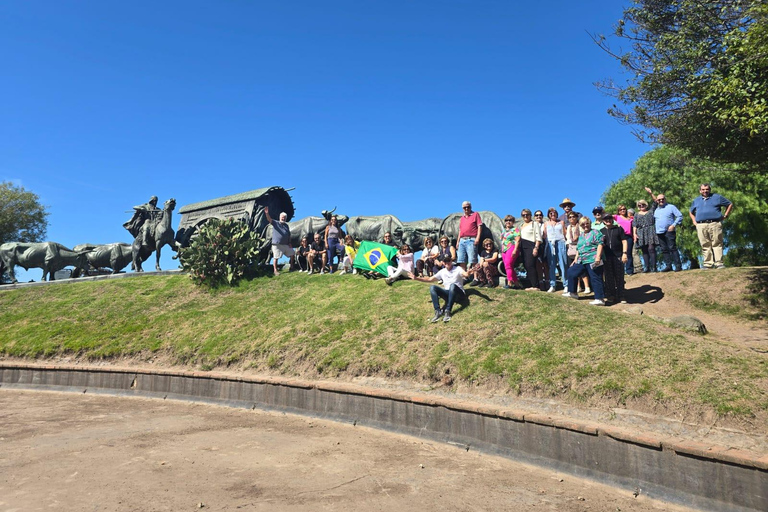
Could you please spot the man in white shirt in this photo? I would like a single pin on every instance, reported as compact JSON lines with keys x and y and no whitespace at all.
{"x":452,"y":277}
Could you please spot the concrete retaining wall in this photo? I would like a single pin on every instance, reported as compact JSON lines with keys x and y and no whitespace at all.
{"x":685,"y":472}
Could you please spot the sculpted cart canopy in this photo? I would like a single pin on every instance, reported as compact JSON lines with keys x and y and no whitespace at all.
{"x":246,"y":206}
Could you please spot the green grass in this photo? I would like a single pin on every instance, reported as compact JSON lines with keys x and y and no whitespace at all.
{"x":720,"y":296}
{"x":535,"y":344}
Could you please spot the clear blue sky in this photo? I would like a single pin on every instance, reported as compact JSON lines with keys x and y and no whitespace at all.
{"x":374,"y":107}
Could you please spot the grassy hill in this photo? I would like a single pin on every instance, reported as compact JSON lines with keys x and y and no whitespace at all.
{"x":532,"y":344}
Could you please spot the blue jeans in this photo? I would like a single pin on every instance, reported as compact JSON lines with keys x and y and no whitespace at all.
{"x":449,"y":296}
{"x":595,"y":278}
{"x":629,"y":266}
{"x":467,"y":252}
{"x":668,"y":244}
{"x":556,"y":253}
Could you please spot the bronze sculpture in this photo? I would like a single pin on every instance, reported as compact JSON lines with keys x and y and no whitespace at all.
{"x":114,"y":256}
{"x":153,"y":235}
{"x":49,"y":256}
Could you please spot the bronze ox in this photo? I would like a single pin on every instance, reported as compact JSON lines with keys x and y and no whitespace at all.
{"x":49,"y":256}
{"x":115,"y":256}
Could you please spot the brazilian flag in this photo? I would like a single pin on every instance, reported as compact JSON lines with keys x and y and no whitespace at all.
{"x":374,"y":256}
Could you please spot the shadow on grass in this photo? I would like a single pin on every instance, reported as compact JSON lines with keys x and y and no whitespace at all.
{"x":645,"y":294}
{"x":464,"y":301}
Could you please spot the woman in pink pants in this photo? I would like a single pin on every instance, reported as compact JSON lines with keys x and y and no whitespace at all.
{"x":510,"y":248}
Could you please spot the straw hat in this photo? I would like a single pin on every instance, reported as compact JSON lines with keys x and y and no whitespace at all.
{"x":567,"y":202}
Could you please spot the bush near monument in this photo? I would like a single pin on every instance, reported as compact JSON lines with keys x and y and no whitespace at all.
{"x":224,"y":251}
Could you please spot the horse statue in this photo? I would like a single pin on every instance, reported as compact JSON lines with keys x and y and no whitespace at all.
{"x":153,"y":236}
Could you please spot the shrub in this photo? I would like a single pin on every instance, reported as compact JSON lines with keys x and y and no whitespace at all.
{"x":224,"y":251}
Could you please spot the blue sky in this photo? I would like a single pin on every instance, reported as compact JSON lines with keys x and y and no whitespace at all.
{"x":373,"y":107}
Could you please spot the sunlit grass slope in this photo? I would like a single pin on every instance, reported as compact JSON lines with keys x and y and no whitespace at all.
{"x":328,"y":326}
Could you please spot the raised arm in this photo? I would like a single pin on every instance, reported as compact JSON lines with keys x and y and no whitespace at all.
{"x":647,"y":189}
{"x":266,"y":212}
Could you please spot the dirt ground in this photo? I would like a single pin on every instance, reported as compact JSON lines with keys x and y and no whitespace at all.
{"x":64,"y":451}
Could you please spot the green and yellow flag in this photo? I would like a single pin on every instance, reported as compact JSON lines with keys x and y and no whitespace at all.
{"x":374,"y":256}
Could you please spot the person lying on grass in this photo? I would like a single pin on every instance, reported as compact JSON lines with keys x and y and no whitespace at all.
{"x":452,"y":290}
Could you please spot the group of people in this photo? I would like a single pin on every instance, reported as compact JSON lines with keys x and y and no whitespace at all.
{"x":590,"y":255}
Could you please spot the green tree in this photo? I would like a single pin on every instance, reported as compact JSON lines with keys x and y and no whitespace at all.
{"x":22,"y":217}
{"x":698,"y":76}
{"x":678,"y":175}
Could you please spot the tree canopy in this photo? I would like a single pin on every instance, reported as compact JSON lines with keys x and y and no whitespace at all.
{"x":678,"y":175}
{"x":698,"y":76}
{"x":22,"y":217}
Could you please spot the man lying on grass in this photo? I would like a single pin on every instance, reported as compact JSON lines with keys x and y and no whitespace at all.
{"x":453,"y":288}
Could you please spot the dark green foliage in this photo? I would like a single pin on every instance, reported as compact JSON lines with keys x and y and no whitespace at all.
{"x":698,"y":76}
{"x":223,"y":252}
{"x":22,"y":217}
{"x":678,"y":175}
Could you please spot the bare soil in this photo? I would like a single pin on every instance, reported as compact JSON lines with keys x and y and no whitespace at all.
{"x":63,"y":451}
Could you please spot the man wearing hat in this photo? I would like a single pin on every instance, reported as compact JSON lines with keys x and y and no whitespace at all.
{"x":567,"y":205}
{"x":598,"y":223}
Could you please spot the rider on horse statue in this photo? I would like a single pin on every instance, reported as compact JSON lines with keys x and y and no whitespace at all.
{"x":144,"y":219}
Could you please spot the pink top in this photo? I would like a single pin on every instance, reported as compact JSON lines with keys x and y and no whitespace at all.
{"x":469,"y":224}
{"x":626,"y":224}
{"x":405,"y":261}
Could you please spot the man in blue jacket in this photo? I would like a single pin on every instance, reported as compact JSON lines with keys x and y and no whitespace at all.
{"x":707,"y":215}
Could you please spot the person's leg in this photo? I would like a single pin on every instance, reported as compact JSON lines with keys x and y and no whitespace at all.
{"x":419,"y":267}
{"x":509,"y":264}
{"x":716,"y":230}
{"x":461,"y":254}
{"x":491,"y":271}
{"x":629,"y":266}
{"x":612,"y":269}
{"x":677,"y":265}
{"x":454,"y":294}
{"x":596,"y":278}
{"x":471,"y":252}
{"x":574,"y":273}
{"x":437,"y":292}
{"x":551,"y":263}
{"x":529,"y":260}
{"x":707,"y":256}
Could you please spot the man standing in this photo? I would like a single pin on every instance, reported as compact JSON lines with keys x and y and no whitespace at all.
{"x":453,"y":288}
{"x":667,"y":217}
{"x":706,"y":214}
{"x":598,"y":223}
{"x":281,"y":238}
{"x":470,"y":231}
{"x":567,"y":206}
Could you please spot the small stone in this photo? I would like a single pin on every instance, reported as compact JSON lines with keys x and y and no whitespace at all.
{"x":200,"y":505}
{"x":634,"y":310}
{"x":581,"y":498}
{"x":421,"y":466}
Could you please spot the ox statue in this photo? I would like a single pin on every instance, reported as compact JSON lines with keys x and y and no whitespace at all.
{"x":153,"y":237}
{"x":373,"y":228}
{"x":415,"y":232}
{"x":49,"y":256}
{"x":115,"y":256}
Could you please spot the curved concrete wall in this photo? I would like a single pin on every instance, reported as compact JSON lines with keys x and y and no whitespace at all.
{"x":689,"y":473}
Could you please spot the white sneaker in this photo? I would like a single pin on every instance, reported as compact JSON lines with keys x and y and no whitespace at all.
{"x":597,"y":302}
{"x":571,"y":295}
{"x":322,"y":271}
{"x":343,"y":271}
{"x":587,"y":290}
{"x":551,"y":289}
{"x":566,"y":293}
{"x":354,"y":271}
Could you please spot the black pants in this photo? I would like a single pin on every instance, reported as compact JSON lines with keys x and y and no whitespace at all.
{"x":668,"y":244}
{"x":529,"y":261}
{"x":614,"y":277}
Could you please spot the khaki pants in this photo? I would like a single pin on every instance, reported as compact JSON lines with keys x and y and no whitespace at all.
{"x":711,"y":240}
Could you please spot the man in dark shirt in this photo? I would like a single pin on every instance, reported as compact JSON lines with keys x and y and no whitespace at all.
{"x":707,"y":215}
{"x":615,"y":255}
{"x":317,"y":255}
